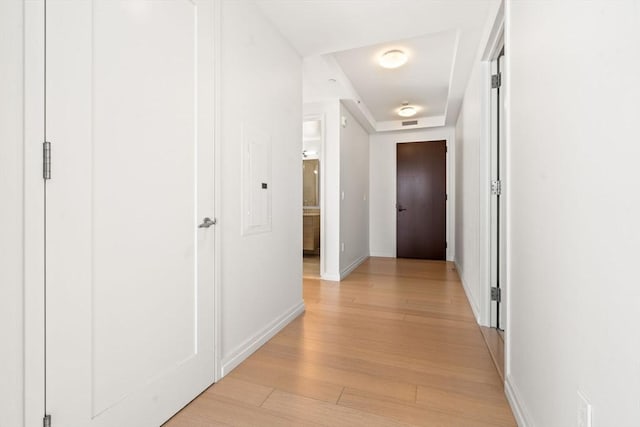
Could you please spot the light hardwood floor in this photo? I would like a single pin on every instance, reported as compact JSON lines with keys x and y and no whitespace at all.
{"x":495,"y":344}
{"x":393,"y":344}
{"x":311,"y":266}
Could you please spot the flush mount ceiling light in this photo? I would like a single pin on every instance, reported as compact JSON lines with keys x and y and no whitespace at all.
{"x":393,"y":59}
{"x":407,"y":110}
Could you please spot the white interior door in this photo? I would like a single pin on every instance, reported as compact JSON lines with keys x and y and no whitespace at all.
{"x":497,"y":201}
{"x":493,"y":201}
{"x":129,"y":304}
{"x":502,"y":208}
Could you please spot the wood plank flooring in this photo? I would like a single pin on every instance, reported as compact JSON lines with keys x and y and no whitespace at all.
{"x":495,"y":344}
{"x":393,"y":344}
{"x":311,"y":266}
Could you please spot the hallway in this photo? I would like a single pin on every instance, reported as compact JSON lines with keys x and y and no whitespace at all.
{"x":393,"y":344}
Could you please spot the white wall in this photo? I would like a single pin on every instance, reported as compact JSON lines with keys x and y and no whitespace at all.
{"x":382,"y":182}
{"x":11,"y":214}
{"x":574,"y":204}
{"x":472,"y":191}
{"x":345,"y":166}
{"x":261,"y":274}
{"x":354,"y":184}
{"x":329,"y":186}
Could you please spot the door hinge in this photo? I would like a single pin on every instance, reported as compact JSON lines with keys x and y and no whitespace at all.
{"x":46,"y":160}
{"x":496,"y":80}
{"x":46,"y":421}
{"x":496,"y":187}
{"x":496,"y":294}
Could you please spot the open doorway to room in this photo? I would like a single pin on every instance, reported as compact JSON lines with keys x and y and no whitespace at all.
{"x":312,"y":167}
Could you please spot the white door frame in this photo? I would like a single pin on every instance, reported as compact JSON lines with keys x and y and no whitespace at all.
{"x":497,"y":40}
{"x":321,"y":118}
{"x":34,"y":264}
{"x":492,"y":49}
{"x":34,"y":333}
{"x":497,"y":202}
{"x":217,"y":188}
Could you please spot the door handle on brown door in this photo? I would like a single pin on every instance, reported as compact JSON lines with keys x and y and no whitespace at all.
{"x":400,"y":208}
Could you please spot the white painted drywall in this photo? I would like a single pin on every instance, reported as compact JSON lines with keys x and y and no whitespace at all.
{"x":354,"y":193}
{"x":11,"y":214}
{"x":574,"y":204}
{"x":472,"y":142}
{"x":261,"y":86}
{"x":382,"y":182}
{"x":346,"y":168}
{"x":330,"y":186}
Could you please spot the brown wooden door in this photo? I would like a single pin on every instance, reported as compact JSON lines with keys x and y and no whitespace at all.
{"x":422,"y":200}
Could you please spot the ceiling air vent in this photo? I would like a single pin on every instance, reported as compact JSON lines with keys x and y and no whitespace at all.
{"x":409,"y":122}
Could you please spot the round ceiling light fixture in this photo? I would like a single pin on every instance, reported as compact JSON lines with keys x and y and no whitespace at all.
{"x":393,"y":59}
{"x":407,"y":111}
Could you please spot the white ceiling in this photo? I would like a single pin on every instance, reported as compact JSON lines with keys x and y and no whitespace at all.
{"x":423,"y":81}
{"x":341,"y":39}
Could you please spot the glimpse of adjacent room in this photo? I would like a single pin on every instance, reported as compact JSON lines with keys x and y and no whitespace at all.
{"x":311,"y":200}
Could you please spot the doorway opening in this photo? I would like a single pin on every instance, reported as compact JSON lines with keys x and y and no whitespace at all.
{"x":312,"y":190}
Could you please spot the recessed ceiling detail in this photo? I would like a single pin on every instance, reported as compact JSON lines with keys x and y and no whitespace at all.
{"x":425,"y":79}
{"x":345,"y":40}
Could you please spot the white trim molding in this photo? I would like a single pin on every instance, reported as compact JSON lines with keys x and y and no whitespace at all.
{"x":330,"y":277}
{"x":518,"y":408}
{"x":249,"y":346}
{"x":321,"y":157}
{"x":344,"y":273}
{"x":217,"y":192}
{"x":472,"y":302}
{"x":383,"y":254}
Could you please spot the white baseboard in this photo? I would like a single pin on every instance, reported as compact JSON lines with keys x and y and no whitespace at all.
{"x":517,"y":405}
{"x":331,"y":277}
{"x":344,"y":273}
{"x":383,"y":254}
{"x":249,"y":346}
{"x":467,"y":291}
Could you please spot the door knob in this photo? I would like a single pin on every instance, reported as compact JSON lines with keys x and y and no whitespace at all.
{"x":207,"y":222}
{"x":400,"y":208}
